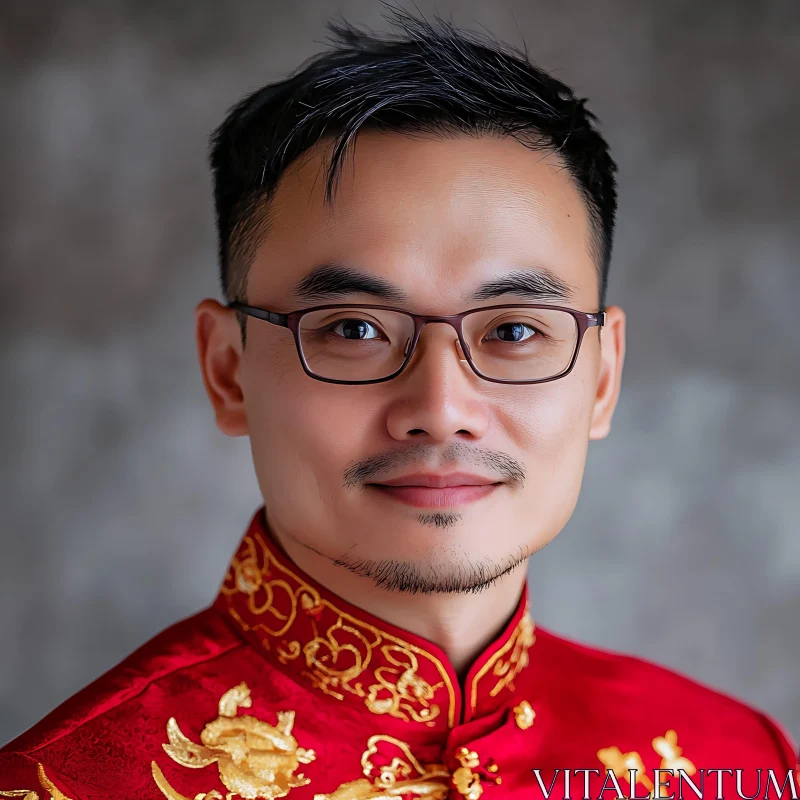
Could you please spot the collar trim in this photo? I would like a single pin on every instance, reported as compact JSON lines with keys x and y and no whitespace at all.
{"x":348,"y":654}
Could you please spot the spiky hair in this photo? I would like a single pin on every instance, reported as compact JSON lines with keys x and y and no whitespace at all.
{"x":432,"y":79}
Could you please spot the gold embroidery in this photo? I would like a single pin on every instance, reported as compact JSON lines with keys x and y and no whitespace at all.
{"x":506,"y":669}
{"x":400,"y":692}
{"x":466,"y":780}
{"x":322,"y":654}
{"x":666,"y":746}
{"x":621,"y":763}
{"x":404,"y":776}
{"x":29,"y":794}
{"x":524,"y":715}
{"x":405,"y":688}
{"x":255,"y":759}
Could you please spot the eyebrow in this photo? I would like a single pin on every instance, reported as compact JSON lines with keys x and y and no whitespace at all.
{"x":332,"y":281}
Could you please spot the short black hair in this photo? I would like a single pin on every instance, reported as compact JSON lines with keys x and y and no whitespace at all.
{"x":432,"y":79}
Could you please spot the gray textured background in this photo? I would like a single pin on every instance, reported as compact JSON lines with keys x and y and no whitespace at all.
{"x":121,"y":502}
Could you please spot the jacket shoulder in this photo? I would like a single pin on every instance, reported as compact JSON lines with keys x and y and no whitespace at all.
{"x":635,"y":694}
{"x":101,"y":726}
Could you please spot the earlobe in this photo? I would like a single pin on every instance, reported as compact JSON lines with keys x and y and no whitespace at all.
{"x":612,"y":357}
{"x":219,"y":350}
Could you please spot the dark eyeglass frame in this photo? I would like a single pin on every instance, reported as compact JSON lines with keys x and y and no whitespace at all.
{"x":583,"y":319}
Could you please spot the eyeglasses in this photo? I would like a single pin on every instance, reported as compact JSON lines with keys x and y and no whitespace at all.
{"x":352,"y":344}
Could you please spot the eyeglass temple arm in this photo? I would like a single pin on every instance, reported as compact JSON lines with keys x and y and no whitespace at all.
{"x":267,"y":316}
{"x":596,"y":320}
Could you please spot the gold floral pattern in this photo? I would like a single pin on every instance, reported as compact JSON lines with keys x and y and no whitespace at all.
{"x":666,"y":746}
{"x":397,"y":773}
{"x":467,"y":780}
{"x":255,"y":759}
{"x":402,"y":776}
{"x":399,"y":682}
{"x":336,"y":650}
{"x":524,"y":715}
{"x":345,"y":656}
{"x":30,"y":794}
{"x":323,"y":654}
{"x":508,"y":661}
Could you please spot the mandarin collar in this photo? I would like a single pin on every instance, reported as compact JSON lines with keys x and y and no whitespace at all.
{"x":346,"y":653}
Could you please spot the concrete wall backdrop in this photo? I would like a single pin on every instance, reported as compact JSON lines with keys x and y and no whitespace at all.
{"x":121,"y":502}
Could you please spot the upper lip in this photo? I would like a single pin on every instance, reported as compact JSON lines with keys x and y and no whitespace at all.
{"x":437,"y":481}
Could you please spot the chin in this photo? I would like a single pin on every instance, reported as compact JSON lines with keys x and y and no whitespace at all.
{"x":437,"y":537}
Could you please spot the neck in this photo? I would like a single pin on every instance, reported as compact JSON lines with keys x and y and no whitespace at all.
{"x":461,"y":624}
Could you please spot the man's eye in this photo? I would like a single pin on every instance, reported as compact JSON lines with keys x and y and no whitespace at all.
{"x":512,"y":332}
{"x":355,"y":329}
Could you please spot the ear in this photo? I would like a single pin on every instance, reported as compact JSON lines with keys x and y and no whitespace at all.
{"x":612,"y":357}
{"x":219,"y":348}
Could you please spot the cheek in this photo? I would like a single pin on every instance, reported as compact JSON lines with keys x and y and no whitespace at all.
{"x":550,"y":429}
{"x":300,"y":428}
{"x":549,"y":422}
{"x":327,"y":422}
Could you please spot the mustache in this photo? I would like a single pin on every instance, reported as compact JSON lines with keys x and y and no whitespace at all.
{"x":456,"y":455}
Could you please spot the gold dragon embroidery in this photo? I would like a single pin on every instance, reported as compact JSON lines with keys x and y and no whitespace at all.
{"x":255,"y":760}
{"x":30,"y":794}
{"x":666,"y":746}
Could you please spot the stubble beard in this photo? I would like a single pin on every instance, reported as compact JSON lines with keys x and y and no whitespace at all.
{"x":453,"y":574}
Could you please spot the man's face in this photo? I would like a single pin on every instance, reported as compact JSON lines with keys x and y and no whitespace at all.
{"x":436,"y":219}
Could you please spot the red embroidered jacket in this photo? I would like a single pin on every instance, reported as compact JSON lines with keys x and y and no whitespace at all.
{"x":282,"y":688}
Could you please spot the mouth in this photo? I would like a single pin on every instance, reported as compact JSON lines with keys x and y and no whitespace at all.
{"x":437,"y":491}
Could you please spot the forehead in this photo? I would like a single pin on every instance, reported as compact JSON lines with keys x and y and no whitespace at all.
{"x":435,"y":216}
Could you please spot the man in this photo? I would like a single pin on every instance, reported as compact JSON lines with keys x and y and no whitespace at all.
{"x":419,"y":349}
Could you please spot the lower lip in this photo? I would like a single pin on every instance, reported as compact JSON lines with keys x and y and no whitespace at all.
{"x":428,"y":497}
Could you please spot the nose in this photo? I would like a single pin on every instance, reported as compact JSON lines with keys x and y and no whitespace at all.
{"x":437,"y":397}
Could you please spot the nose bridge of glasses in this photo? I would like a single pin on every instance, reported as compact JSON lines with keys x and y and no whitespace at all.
{"x":442,"y":321}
